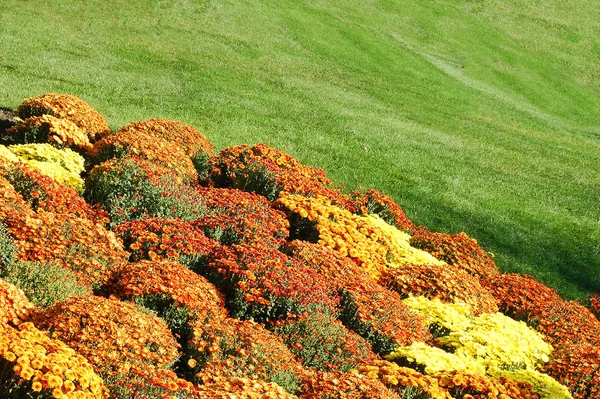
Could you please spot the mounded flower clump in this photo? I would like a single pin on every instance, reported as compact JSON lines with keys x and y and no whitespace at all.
{"x":141,"y":264}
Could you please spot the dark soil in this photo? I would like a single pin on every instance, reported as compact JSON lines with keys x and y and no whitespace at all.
{"x":7,"y":119}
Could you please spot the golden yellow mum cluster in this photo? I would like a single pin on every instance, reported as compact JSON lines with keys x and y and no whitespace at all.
{"x":49,"y":364}
{"x":391,"y":374}
{"x":434,"y":360}
{"x":491,"y":344}
{"x":450,"y":316}
{"x":7,"y":154}
{"x":64,"y":165}
{"x":368,"y":240}
{"x":496,"y":340}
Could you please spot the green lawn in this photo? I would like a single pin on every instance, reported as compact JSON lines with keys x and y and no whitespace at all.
{"x":479,"y":116}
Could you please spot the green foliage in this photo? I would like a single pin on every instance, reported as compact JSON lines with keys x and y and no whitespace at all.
{"x":285,"y":379}
{"x":127,"y":193}
{"x":322,"y":342}
{"x":177,"y":319}
{"x":44,"y":283}
{"x":380,"y":343}
{"x":414,"y":393}
{"x":201,"y":161}
{"x":7,"y":248}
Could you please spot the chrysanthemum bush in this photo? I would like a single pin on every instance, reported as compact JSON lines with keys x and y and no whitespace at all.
{"x":322,"y":342}
{"x":262,"y":283}
{"x":160,"y":238}
{"x":195,"y":144}
{"x":238,"y":217}
{"x":132,"y":188}
{"x":69,"y":107}
{"x":116,"y":337}
{"x":186,"y":301}
{"x":33,"y":365}
{"x":148,"y":147}
{"x":248,"y":274}
{"x":49,"y":129}
{"x":269,"y":172}
{"x":242,"y":348}
{"x":372,"y":311}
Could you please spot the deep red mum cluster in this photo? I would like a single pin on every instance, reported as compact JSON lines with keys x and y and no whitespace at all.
{"x":268,"y":171}
{"x":239,"y":217}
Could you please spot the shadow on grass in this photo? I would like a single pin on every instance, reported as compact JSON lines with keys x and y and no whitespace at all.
{"x":568,"y":261}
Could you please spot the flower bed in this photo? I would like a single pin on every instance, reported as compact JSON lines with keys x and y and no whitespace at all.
{"x":259,"y":279}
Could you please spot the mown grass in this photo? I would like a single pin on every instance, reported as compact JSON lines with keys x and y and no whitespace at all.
{"x":477,"y":116}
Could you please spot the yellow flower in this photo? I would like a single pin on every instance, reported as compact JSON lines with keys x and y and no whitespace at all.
{"x":36,"y":386}
{"x":55,"y":381}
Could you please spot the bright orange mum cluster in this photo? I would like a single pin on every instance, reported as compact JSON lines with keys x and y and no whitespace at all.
{"x":43,"y":364}
{"x":146,"y":146}
{"x":177,"y":282}
{"x":263,"y":283}
{"x":114,"y":336}
{"x":49,"y":129}
{"x":69,"y":107}
{"x":237,"y":217}
{"x":191,"y":140}
{"x":455,"y":249}
{"x":243,"y":348}
{"x":161,"y":238}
